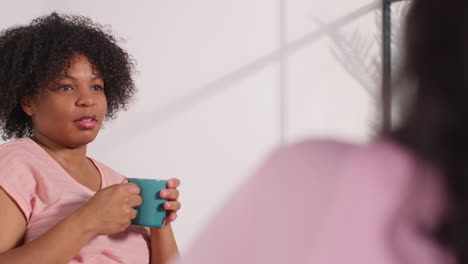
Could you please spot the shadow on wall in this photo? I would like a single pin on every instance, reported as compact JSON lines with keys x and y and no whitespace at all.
{"x":168,"y":111}
{"x":360,"y":54}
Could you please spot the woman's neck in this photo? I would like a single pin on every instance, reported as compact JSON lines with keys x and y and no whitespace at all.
{"x":69,"y":158}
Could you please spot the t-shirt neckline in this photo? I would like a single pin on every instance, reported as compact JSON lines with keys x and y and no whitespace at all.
{"x":68,"y":176}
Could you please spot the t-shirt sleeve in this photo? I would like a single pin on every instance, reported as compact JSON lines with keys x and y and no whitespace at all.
{"x":17,"y":178}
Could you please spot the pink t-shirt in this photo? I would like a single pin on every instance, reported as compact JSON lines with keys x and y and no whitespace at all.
{"x":46,"y":193}
{"x":326,"y":202}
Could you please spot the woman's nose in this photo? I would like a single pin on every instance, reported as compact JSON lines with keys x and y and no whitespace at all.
{"x":85,"y":99}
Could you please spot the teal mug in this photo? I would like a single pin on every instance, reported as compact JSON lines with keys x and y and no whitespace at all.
{"x":151,"y":212}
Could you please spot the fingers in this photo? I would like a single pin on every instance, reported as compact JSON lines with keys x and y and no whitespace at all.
{"x":130,"y":213}
{"x":171,"y":217}
{"x":172,"y":206}
{"x":169,"y":194}
{"x":173,"y":183}
{"x":133,"y":214}
{"x":130,"y":187}
{"x":134,"y":200}
{"x":126,"y":225}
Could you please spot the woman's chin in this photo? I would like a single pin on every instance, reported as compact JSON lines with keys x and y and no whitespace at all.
{"x":81,"y":140}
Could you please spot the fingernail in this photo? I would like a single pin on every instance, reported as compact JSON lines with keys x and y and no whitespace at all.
{"x":168,"y":205}
{"x":135,"y":188}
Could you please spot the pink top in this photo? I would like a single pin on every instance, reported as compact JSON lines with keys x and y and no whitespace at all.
{"x":326,"y":202}
{"x":46,"y":193}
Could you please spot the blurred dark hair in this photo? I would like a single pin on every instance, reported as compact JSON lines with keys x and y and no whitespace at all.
{"x":434,"y":123}
{"x":34,"y":55}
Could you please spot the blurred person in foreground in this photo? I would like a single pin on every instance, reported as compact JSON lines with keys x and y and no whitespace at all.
{"x":403,"y":198}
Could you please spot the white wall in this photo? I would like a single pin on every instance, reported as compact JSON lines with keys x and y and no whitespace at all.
{"x":20,"y":12}
{"x":332,"y":79}
{"x":208,"y":108}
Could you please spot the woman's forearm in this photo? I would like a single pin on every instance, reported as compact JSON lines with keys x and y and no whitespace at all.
{"x":58,"y":245}
{"x":163,"y":245}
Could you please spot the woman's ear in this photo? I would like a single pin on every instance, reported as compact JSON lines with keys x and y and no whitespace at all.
{"x":27,"y":106}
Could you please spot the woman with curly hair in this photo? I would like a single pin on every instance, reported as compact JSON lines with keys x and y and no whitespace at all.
{"x":400,"y":199}
{"x":60,"y":78}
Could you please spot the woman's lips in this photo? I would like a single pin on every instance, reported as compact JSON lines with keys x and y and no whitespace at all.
{"x":86,"y":122}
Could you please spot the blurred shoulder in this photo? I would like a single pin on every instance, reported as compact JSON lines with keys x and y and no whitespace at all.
{"x":310,"y":146}
{"x":374,"y":160}
{"x":386,"y":151}
{"x":377,"y":150}
{"x":313,"y":150}
{"x":385,"y":162}
{"x":305,"y":162}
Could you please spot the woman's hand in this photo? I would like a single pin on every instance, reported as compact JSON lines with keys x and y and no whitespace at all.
{"x":163,"y":243}
{"x":110,"y":210}
{"x":171,"y":194}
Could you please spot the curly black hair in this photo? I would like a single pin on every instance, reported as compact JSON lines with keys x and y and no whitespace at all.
{"x":34,"y":55}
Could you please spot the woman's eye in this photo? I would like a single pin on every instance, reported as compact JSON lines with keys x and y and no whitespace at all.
{"x":65,"y":87}
{"x":97,"y":88}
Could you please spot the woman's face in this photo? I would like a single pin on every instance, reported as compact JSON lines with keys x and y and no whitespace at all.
{"x":70,"y":111}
